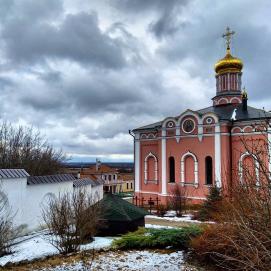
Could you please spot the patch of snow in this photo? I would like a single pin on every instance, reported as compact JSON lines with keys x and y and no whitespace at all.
{"x":184,"y":218}
{"x":130,"y":260}
{"x":153,"y":226}
{"x":99,"y":243}
{"x":170,"y":213}
{"x":37,"y":246}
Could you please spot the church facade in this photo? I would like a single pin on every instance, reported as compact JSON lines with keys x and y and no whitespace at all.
{"x":202,"y":148}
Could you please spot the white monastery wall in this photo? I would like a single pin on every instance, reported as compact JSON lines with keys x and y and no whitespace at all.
{"x":36,"y":196}
{"x":97,"y":192}
{"x":26,"y":200}
{"x":15,"y":190}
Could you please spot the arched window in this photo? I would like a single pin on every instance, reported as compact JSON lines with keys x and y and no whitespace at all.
{"x":151,"y":168}
{"x":171,"y":162}
{"x":249,"y":168}
{"x":189,"y":169}
{"x":209,"y":170}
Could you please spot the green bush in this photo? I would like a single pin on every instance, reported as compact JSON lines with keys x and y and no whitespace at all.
{"x":210,"y":206}
{"x":157,"y":238}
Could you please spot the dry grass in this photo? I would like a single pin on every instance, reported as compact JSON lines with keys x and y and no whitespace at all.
{"x":53,"y":261}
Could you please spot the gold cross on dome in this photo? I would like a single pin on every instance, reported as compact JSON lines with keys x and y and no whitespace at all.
{"x":227,"y":36}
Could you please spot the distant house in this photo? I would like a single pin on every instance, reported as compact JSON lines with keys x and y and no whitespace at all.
{"x":127,"y":180}
{"x":120,"y":216}
{"x":27,"y":194}
{"x":113,"y":180}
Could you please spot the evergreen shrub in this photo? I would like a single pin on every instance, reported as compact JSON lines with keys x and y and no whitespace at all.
{"x":210,"y":206}
{"x":158,"y":238}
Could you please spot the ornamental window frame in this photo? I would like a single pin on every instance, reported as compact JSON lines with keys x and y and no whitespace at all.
{"x":194,"y":123}
{"x":196,"y":171}
{"x":256,"y":164}
{"x":209,"y":120}
{"x":150,"y":155}
{"x":170,"y":124}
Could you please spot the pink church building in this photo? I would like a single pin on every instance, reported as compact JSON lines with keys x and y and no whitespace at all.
{"x":200,"y":148}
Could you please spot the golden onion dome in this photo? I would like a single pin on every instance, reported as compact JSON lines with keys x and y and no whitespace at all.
{"x":228,"y":64}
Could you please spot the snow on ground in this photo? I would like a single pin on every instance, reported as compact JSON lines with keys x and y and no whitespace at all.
{"x":184,"y":218}
{"x":38,"y":246}
{"x":152,"y":226}
{"x":171,"y":216}
{"x":99,"y":243}
{"x":130,"y":260}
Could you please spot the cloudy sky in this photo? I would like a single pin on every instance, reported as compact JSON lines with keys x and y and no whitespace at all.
{"x":84,"y":72}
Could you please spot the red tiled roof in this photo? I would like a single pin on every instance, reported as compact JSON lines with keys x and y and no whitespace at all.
{"x":102,"y":169}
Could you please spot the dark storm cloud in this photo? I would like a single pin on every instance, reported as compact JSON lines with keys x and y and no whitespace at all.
{"x":85,"y":76}
{"x":30,"y":10}
{"x":135,"y":6}
{"x":77,"y":38}
{"x":166,"y":25}
{"x":51,"y":76}
{"x":168,"y":18}
{"x":251,"y":43}
{"x":5,"y":82}
{"x":96,"y":93}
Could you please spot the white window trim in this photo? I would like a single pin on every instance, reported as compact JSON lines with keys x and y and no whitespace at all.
{"x":150,"y":155}
{"x":257,"y":167}
{"x":196,"y":172}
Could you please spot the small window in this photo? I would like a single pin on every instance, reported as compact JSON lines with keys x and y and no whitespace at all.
{"x":209,"y":170}
{"x":114,"y":177}
{"x":127,"y":185}
{"x":131,"y":185}
{"x":105,"y":177}
{"x":171,"y":169}
{"x":109,"y":177}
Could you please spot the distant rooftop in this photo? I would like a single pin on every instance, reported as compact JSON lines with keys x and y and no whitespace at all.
{"x":13,"y":173}
{"x":85,"y":182}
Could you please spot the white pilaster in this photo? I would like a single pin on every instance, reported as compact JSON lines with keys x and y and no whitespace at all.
{"x":196,"y":174}
{"x":200,"y":130}
{"x":218,"y":156}
{"x":178,"y":134}
{"x":137,"y":163}
{"x":164,"y":163}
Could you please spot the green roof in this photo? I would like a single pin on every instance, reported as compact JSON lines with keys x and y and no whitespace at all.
{"x":115,"y":208}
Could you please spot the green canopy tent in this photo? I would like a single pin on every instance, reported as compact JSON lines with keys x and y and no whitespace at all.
{"x":120,"y":216}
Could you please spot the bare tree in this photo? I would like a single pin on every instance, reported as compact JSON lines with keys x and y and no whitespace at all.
{"x":23,"y":147}
{"x":7,"y":230}
{"x":178,"y":199}
{"x":72,"y":219}
{"x":242,"y":238}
